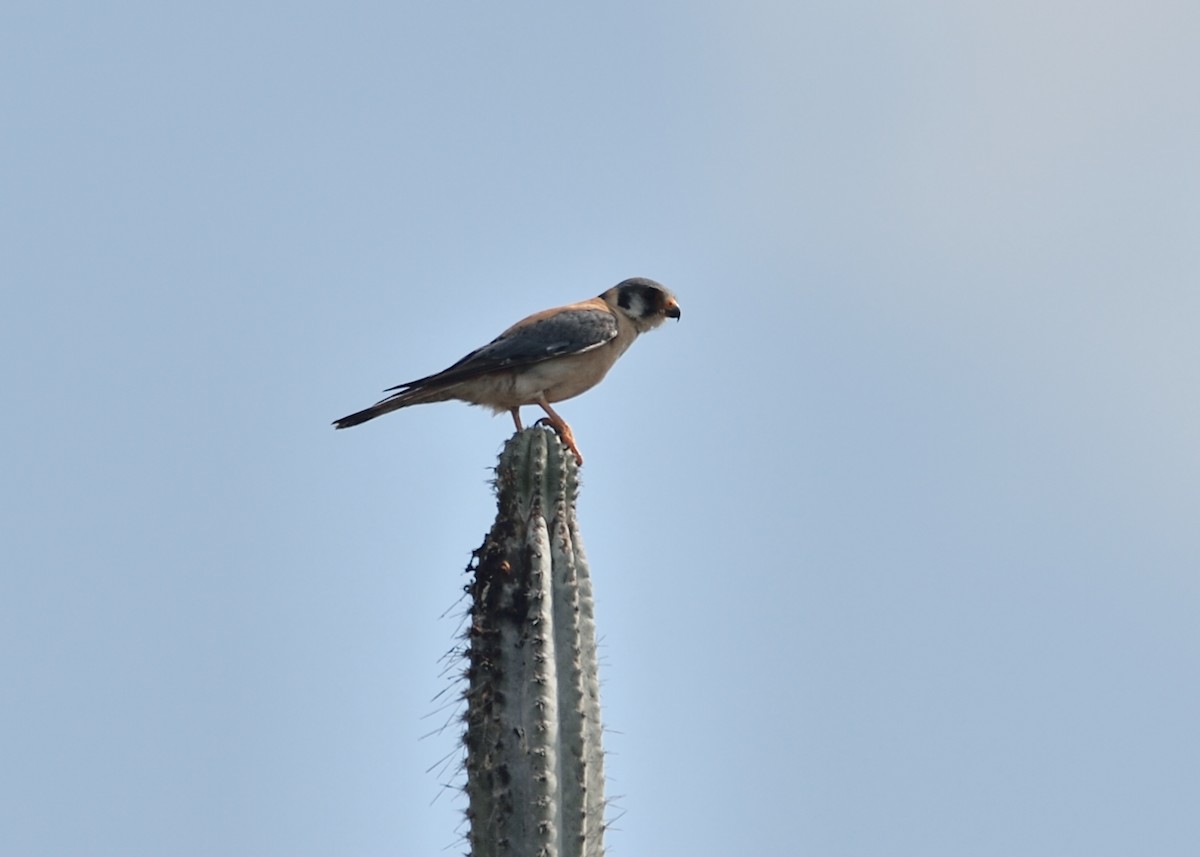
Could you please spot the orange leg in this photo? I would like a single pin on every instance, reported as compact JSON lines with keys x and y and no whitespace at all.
{"x":516,"y":414}
{"x":560,"y":425}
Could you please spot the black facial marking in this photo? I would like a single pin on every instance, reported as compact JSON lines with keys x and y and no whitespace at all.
{"x":646,"y":294}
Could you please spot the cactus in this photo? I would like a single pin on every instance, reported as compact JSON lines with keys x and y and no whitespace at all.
{"x":535,"y":765}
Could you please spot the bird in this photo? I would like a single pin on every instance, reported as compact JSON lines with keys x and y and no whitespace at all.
{"x":547,"y":357}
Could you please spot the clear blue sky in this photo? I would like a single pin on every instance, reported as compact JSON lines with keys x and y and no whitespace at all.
{"x":895,"y":535}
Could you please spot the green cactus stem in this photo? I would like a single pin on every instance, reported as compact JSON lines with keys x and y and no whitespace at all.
{"x":535,"y":765}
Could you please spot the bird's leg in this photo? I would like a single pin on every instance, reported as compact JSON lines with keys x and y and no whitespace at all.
{"x":516,"y":414}
{"x":560,"y":426}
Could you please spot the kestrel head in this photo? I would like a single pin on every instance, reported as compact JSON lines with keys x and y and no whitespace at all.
{"x":644,"y":302}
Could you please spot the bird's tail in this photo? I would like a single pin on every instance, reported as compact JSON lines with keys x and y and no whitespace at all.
{"x":392,"y":403}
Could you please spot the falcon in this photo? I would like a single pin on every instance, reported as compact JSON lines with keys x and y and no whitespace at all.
{"x":550,"y":356}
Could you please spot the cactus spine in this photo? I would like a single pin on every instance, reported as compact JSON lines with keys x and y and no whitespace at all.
{"x":535,"y":765}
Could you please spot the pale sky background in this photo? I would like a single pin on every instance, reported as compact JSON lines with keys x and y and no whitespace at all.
{"x":895,"y":535}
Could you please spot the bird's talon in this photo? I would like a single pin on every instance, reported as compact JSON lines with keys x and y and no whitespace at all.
{"x":565,"y":435}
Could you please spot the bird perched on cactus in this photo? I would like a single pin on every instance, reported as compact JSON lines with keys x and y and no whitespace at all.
{"x":550,"y":356}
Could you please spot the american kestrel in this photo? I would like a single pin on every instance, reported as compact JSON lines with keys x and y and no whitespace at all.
{"x":548,"y":357}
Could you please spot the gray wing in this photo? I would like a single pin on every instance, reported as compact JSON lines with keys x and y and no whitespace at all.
{"x":569,"y":331}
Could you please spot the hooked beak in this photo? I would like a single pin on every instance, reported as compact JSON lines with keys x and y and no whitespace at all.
{"x":672,"y":311}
